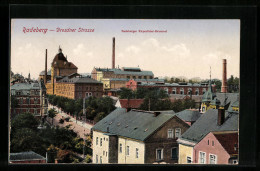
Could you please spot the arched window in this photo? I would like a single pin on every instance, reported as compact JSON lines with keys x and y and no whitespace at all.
{"x":189,"y":91}
{"x":204,"y":90}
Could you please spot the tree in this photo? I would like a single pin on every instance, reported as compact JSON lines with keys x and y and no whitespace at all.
{"x":126,"y":93}
{"x":26,"y":139}
{"x":99,"y":116}
{"x":14,"y":102}
{"x":52,"y":113}
{"x":24,"y":120}
{"x":177,"y":106}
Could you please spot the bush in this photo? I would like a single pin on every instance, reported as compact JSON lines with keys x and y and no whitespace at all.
{"x":61,"y":121}
{"x":67,"y":119}
{"x":88,"y":159}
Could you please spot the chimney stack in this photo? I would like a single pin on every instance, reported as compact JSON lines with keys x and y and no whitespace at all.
{"x":221,"y":116}
{"x":224,"y":77}
{"x":45,"y":74}
{"x":156,"y":113}
{"x":113,"y":53}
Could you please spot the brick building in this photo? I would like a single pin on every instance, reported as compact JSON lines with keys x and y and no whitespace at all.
{"x":137,"y":137}
{"x":174,"y":88}
{"x":76,"y":86}
{"x":28,"y":157}
{"x":31,"y":98}
{"x":60,"y":67}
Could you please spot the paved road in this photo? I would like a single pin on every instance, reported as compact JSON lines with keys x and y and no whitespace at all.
{"x":78,"y":126}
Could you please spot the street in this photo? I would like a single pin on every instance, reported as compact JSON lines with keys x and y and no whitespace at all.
{"x":77,"y":126}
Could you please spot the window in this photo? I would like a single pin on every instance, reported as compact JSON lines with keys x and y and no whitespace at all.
{"x":100,"y":159}
{"x":202,"y":158}
{"x":127,"y":150}
{"x":103,"y":153}
{"x":235,"y":162}
{"x":208,"y":142}
{"x":182,"y":91}
{"x":151,"y":77}
{"x":159,"y":154}
{"x":106,"y":153}
{"x":120,"y":148}
{"x":212,"y":159}
{"x":177,"y":132}
{"x":134,"y":77}
{"x":174,"y":91}
{"x":27,"y":100}
{"x":101,"y":141}
{"x":189,"y":91}
{"x":96,"y":158}
{"x":166,"y":90}
{"x":140,"y":77}
{"x":145,"y":77}
{"x":197,"y":91}
{"x":212,"y":143}
{"x":136,"y":152}
{"x":128,"y":77}
{"x":97,"y":141}
{"x":204,"y":90}
{"x":170,"y":133}
{"x":188,"y":159}
{"x":174,"y":153}
{"x":35,"y":111}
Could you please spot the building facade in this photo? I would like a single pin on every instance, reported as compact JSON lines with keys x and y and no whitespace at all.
{"x":138,"y":137}
{"x":31,"y":98}
{"x":217,"y":148}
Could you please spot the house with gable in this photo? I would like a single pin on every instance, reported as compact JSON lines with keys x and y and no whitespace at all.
{"x":213,"y":120}
{"x":137,"y":137}
{"x":219,"y":147}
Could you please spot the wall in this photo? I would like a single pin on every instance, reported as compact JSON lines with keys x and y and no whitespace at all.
{"x":100,"y":150}
{"x":160,"y":140}
{"x":131,"y":158}
{"x":216,"y":149}
{"x":184,"y":152}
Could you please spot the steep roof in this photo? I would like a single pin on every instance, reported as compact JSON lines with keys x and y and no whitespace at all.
{"x":28,"y":155}
{"x":43,"y":73}
{"x":208,"y":123}
{"x":189,"y":115}
{"x":131,"y":103}
{"x":137,"y":125}
{"x":61,"y":61}
{"x":229,"y":141}
{"x":25,"y":86}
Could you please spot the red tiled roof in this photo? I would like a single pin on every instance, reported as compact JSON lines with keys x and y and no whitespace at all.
{"x":131,"y":103}
{"x":228,"y":141}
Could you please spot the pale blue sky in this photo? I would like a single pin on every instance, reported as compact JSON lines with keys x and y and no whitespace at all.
{"x":188,"y":48}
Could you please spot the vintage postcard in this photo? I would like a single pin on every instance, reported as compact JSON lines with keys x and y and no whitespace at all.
{"x":125,"y":91}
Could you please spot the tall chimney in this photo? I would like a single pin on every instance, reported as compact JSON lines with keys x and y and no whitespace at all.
{"x":221,"y":116}
{"x":113,"y":53}
{"x":45,"y":74}
{"x":224,"y":77}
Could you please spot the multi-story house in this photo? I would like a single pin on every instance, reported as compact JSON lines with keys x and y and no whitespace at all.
{"x":137,"y":137}
{"x":31,"y":98}
{"x":213,"y":120}
{"x":217,"y":148}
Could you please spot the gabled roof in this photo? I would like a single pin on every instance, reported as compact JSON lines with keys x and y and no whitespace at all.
{"x":25,"y":86}
{"x":29,"y":155}
{"x":189,"y":115}
{"x":228,"y":141}
{"x":208,"y":123}
{"x":131,"y":103}
{"x":137,"y":125}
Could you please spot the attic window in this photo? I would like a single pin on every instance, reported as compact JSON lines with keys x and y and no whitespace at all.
{"x":135,"y":128}
{"x":146,"y":130}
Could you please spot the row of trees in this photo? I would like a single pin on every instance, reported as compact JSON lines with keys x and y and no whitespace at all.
{"x":156,"y":99}
{"x":60,"y":143}
{"x":96,"y":108}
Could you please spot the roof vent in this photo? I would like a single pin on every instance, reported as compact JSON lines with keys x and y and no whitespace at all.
{"x":126,"y":126}
{"x":146,"y":130}
{"x":110,"y":123}
{"x":118,"y":124}
{"x":135,"y":128}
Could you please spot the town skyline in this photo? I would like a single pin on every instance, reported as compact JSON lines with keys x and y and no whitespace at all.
{"x":188,"y":49}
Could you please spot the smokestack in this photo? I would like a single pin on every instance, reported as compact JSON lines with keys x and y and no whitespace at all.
{"x":221,"y":116}
{"x":45,"y":74}
{"x":113,"y":53}
{"x":224,"y":77}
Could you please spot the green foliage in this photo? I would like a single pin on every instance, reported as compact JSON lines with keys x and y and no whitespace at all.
{"x":99,"y":116}
{"x":64,"y":156}
{"x":88,"y":159}
{"x":180,"y":105}
{"x":24,"y":120}
{"x":126,"y":93}
{"x":52,"y":113}
{"x":26,"y":139}
{"x":233,"y":84}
